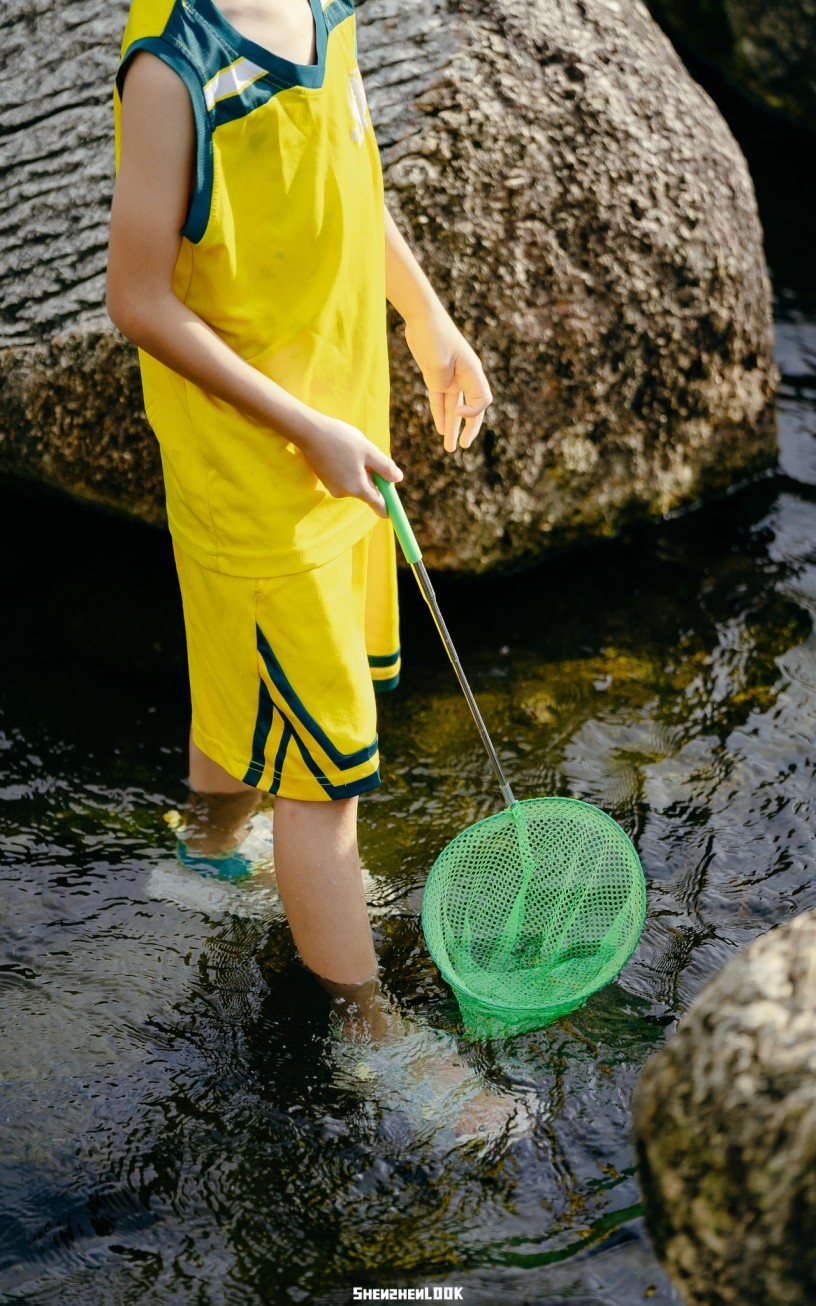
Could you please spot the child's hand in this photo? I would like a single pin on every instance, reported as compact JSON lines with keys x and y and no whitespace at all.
{"x":342,"y":457}
{"x":457,"y":386}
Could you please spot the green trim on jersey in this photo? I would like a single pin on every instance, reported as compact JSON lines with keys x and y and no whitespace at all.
{"x":227,"y":77}
{"x":384,"y":659}
{"x":343,"y":761}
{"x":199,"y":211}
{"x":263,"y":727}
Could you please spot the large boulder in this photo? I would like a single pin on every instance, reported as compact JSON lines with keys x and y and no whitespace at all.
{"x":766,"y":46}
{"x":575,"y":197}
{"x":71,"y":410}
{"x":725,"y":1131}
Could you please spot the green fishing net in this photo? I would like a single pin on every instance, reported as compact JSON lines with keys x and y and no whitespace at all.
{"x":529,"y":912}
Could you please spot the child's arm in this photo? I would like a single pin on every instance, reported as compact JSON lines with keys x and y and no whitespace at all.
{"x":149,"y":207}
{"x":450,"y":368}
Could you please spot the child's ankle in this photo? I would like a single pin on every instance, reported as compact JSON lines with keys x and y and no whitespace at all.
{"x":365,"y":1009}
{"x":217,"y":823}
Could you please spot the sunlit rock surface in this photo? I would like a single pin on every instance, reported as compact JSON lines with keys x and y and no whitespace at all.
{"x":767,"y":46}
{"x":576,"y":198}
{"x":725,"y":1130}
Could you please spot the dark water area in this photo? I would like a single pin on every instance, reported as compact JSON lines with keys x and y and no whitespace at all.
{"x":175,"y":1125}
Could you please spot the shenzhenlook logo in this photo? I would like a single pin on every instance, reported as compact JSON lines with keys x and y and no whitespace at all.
{"x":408,"y":1294}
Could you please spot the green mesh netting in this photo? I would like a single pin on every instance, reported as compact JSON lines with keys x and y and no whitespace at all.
{"x":530,"y":911}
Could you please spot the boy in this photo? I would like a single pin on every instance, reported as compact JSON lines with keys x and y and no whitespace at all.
{"x":250,"y":260}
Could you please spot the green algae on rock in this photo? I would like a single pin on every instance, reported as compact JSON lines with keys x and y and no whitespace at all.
{"x":574,"y":195}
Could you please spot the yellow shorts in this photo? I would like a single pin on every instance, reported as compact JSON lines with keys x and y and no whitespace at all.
{"x":283,"y":669}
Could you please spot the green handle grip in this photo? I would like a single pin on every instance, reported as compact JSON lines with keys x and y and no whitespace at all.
{"x":401,"y":524}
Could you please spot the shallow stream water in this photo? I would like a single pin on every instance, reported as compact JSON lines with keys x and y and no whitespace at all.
{"x":173,"y":1126}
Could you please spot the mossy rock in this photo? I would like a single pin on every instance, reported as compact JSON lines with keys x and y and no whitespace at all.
{"x":768,"y":47}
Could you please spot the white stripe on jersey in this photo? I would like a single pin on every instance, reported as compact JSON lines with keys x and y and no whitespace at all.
{"x":232,"y":80}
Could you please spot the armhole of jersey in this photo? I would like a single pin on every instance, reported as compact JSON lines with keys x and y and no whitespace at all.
{"x":336,"y":12}
{"x":198,"y":214}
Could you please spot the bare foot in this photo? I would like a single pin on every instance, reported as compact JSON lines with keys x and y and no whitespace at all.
{"x":417,"y":1070}
{"x":488,"y":1115}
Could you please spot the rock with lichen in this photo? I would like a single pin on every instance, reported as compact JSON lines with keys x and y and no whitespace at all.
{"x":725,"y":1131}
{"x":575,"y":197}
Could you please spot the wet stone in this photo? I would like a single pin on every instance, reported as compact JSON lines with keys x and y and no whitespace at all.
{"x":725,"y":1130}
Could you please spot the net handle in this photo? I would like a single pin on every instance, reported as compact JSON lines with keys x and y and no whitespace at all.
{"x":413,"y":556}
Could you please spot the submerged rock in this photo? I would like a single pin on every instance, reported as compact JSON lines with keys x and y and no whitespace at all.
{"x":725,"y":1131}
{"x":574,"y":195}
{"x":768,"y":48}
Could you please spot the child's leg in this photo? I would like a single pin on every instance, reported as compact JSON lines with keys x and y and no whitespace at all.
{"x":318,"y":872}
{"x":282,"y":697}
{"x":219,"y":806}
{"x":207,"y":777}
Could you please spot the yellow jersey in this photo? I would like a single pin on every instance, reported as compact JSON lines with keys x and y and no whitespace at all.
{"x":283,"y":255}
